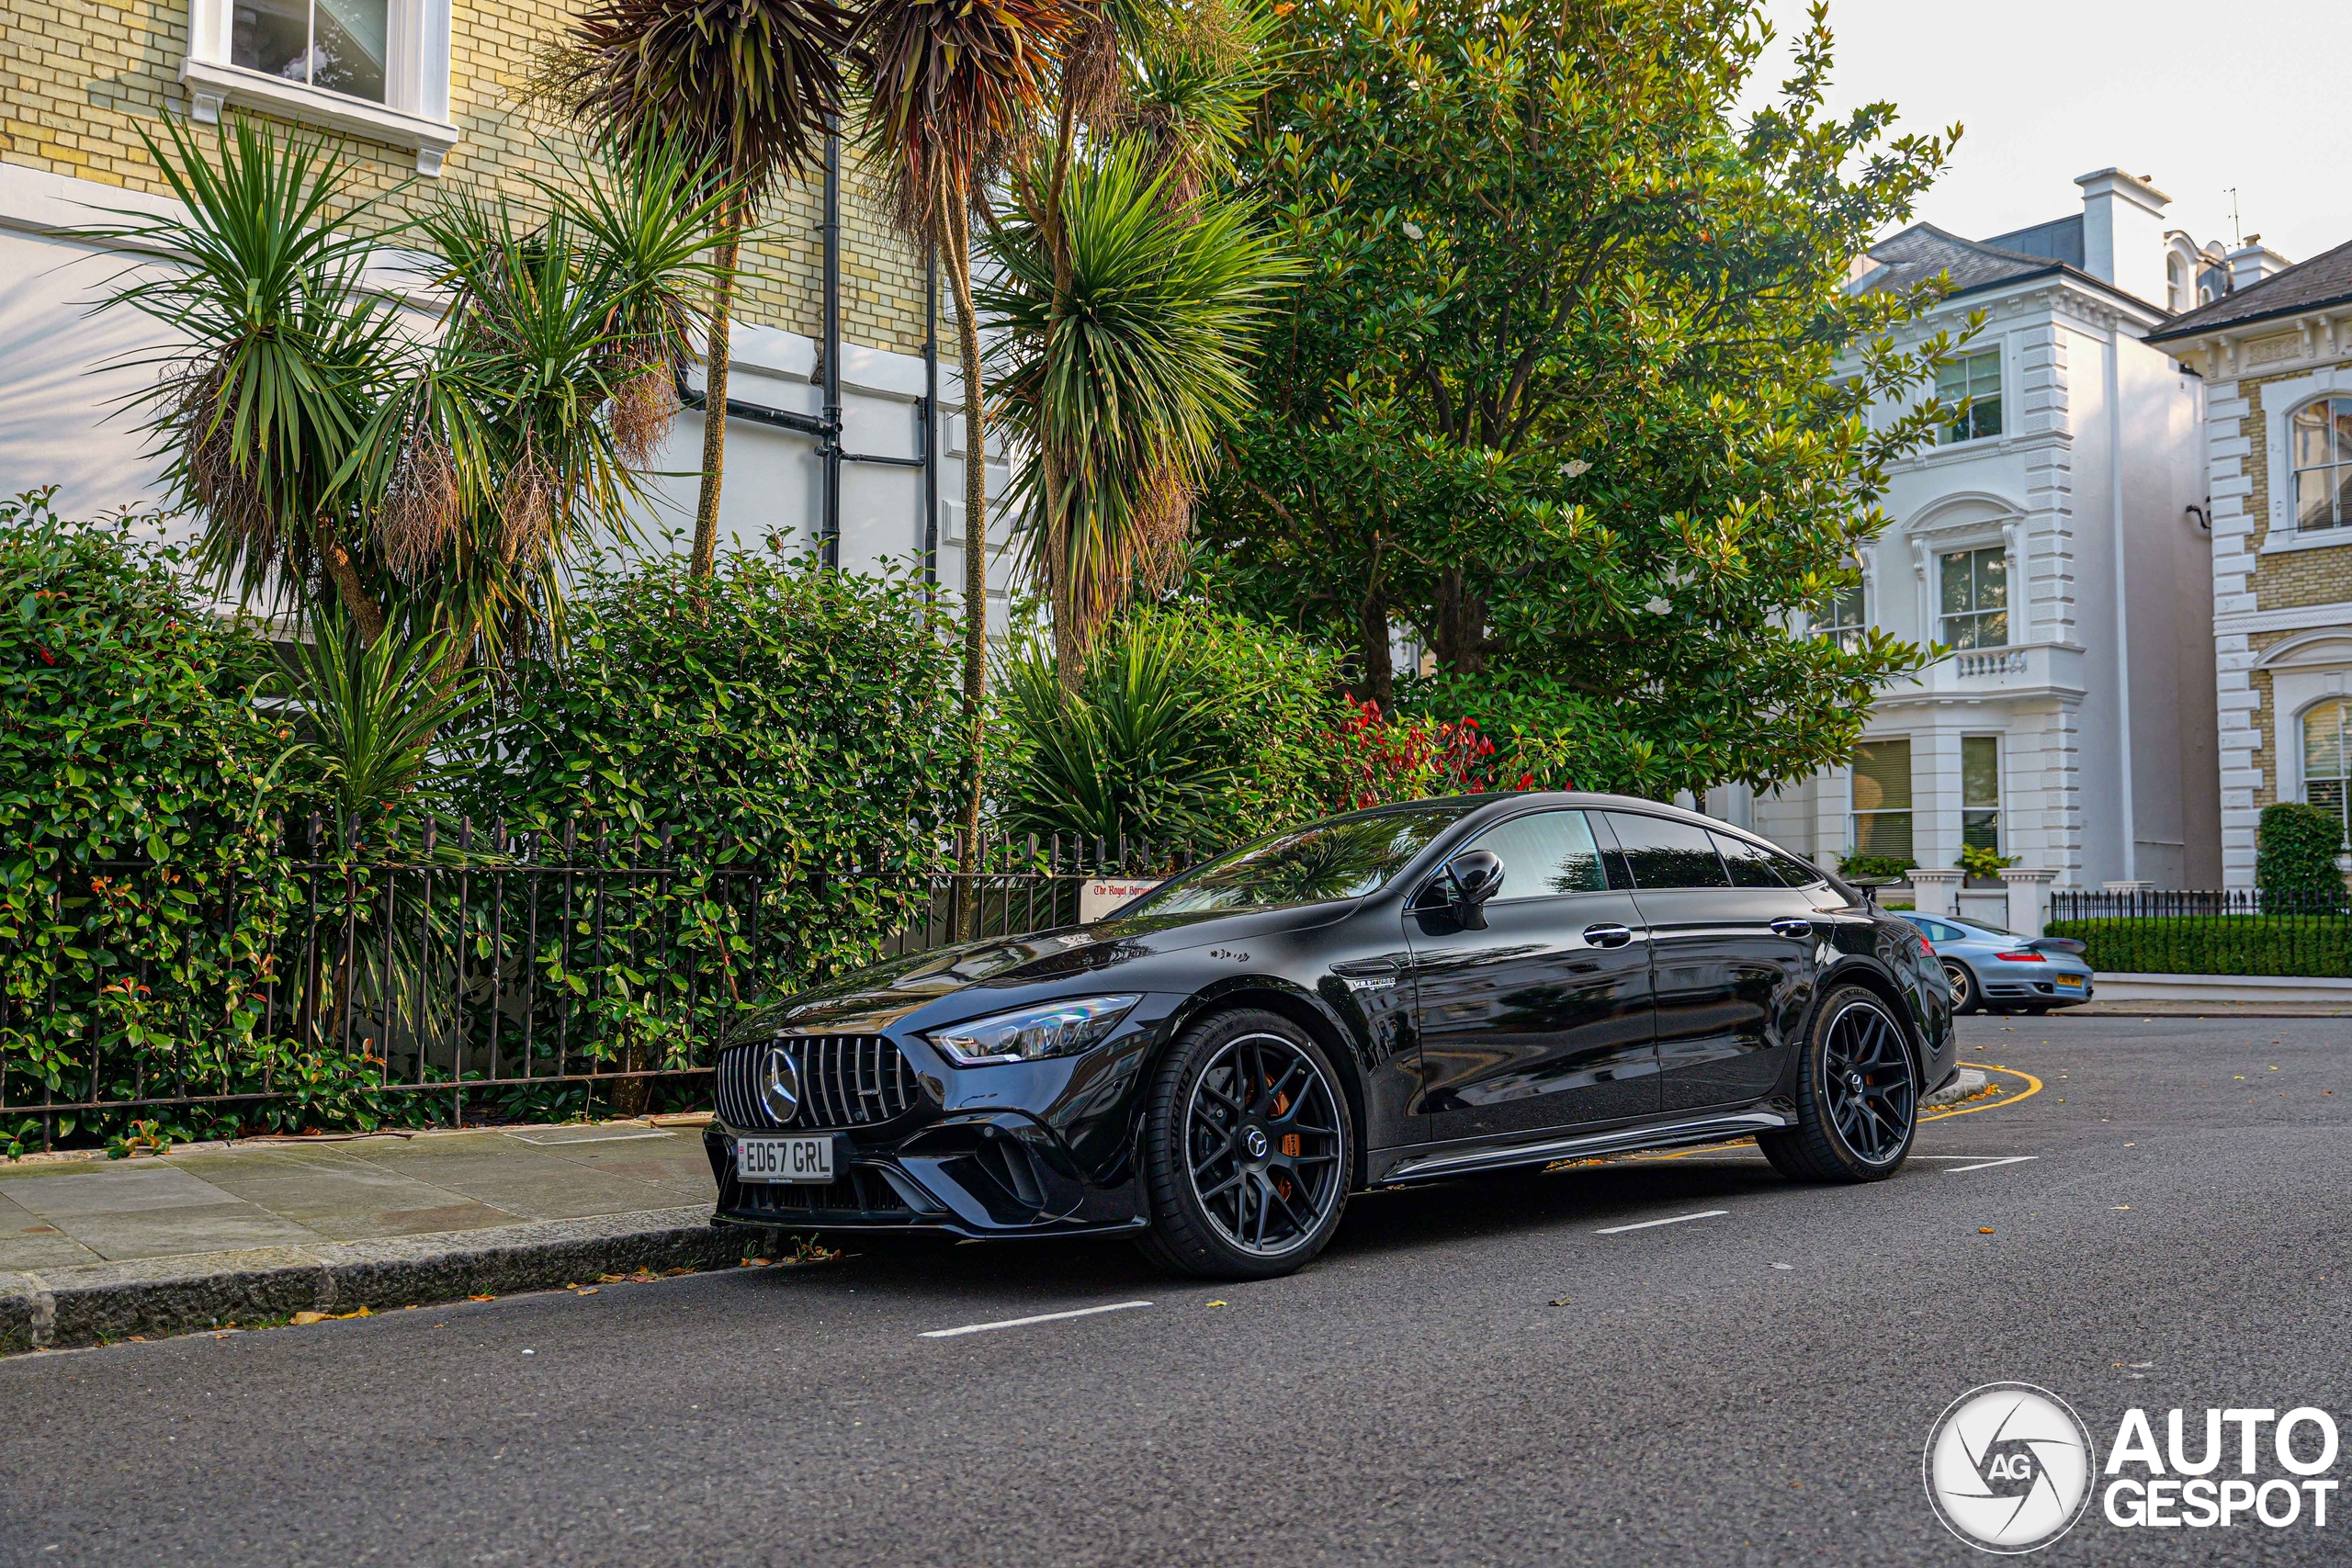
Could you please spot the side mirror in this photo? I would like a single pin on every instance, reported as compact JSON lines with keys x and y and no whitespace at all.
{"x":1473,"y":877}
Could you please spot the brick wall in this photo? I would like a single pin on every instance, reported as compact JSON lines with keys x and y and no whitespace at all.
{"x":2293,"y":579}
{"x":78,"y":77}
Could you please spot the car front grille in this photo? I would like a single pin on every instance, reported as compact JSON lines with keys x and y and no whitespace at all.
{"x":846,"y":1080}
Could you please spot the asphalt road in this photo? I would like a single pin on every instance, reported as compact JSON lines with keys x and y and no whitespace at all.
{"x":1472,"y":1373}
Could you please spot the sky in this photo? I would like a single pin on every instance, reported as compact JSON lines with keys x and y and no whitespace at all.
{"x":2199,"y":98}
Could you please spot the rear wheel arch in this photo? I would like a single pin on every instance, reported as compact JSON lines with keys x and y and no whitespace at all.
{"x":1867,"y":976}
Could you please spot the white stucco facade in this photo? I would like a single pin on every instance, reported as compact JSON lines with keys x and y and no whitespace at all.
{"x":62,"y":420}
{"x":2085,"y":720}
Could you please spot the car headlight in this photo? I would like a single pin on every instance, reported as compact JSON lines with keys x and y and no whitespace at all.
{"x":1056,"y":1029}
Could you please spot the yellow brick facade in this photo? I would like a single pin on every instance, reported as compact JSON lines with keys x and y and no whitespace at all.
{"x":2295,"y":579}
{"x":80,"y":78}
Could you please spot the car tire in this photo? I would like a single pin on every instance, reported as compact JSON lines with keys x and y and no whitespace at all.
{"x":1249,"y":1149}
{"x":1965,"y":998}
{"x":1857,"y":1095}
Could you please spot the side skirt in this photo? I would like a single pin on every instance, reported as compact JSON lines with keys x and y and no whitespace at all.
{"x":1623,"y":1140}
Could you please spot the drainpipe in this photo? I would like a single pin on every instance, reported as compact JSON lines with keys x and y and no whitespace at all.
{"x":830,"y":449}
{"x":930,"y":419}
{"x":2122,"y":625}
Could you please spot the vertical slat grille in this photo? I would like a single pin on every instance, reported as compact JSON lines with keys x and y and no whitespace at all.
{"x":846,"y":1080}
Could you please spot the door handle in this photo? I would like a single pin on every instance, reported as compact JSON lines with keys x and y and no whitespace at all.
{"x":1788,"y":926}
{"x":1608,"y":935}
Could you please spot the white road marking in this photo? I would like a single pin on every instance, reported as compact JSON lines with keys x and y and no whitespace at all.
{"x":1025,"y":1321}
{"x":1675,"y":1220}
{"x":1987,"y":1165}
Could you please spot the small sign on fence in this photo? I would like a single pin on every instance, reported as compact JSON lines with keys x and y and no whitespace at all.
{"x":1100,"y":896}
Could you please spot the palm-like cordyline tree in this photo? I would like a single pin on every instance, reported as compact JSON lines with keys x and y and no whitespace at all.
{"x":751,"y":86}
{"x":1125,"y":373}
{"x":955,"y":87}
{"x":1131,"y":287}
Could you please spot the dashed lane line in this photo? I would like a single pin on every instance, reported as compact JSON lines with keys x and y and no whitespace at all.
{"x":1025,"y":1321}
{"x":1669,"y":1219}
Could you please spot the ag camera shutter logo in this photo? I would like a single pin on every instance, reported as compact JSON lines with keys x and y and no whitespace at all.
{"x":2008,"y":1468}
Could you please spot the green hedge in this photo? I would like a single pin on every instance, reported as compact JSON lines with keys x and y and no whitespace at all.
{"x":2310,"y":946}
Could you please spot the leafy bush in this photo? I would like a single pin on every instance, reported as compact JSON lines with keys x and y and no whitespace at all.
{"x":2295,"y":850}
{"x":1979,"y":860}
{"x":2306,"y":945}
{"x":778,"y":714}
{"x":1874,"y":868}
{"x":1189,"y":726}
{"x":142,"y":877}
{"x":1378,"y":759}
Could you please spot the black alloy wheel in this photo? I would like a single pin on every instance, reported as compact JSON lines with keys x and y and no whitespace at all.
{"x":1857,"y":1100}
{"x":1965,"y":998}
{"x":1248,"y":1149}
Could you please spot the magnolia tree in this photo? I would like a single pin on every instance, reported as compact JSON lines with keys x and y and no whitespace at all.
{"x":1555,"y":398}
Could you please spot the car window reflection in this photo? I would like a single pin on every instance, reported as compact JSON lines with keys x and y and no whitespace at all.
{"x":1343,"y":858}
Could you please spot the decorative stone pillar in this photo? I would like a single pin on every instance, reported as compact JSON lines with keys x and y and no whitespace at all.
{"x":2028,"y":899}
{"x":1937,"y":892}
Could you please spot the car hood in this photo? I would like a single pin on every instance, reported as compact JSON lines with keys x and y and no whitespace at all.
{"x":994,"y":969}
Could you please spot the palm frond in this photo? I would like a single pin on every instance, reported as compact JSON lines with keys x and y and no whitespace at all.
{"x":1146,"y":366}
{"x":746,"y":87}
{"x":955,"y":87}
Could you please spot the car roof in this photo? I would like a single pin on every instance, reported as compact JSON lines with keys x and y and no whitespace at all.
{"x":1596,"y":800}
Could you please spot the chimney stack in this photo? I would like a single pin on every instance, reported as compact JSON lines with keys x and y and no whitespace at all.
{"x":2123,"y":232}
{"x":2252,"y":261}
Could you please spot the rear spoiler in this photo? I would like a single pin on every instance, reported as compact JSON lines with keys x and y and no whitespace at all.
{"x":2056,"y":944}
{"x":1868,"y":886}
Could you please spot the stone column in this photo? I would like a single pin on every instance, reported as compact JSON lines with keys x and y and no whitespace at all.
{"x":2028,"y":899}
{"x":1937,"y":892}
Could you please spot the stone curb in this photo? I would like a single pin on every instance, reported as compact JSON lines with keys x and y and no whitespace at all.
{"x":1970,"y":1082}
{"x":90,"y":1302}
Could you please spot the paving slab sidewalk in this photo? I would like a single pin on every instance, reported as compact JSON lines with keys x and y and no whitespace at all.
{"x":95,"y":1249}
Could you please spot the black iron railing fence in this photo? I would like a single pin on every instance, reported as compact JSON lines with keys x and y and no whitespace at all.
{"x":2226,"y":931}
{"x":482,"y":975}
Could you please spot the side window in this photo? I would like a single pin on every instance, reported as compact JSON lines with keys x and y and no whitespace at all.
{"x":1751,"y":864}
{"x":1797,"y":873}
{"x":1935,"y":931}
{"x":1544,"y":853}
{"x":1661,"y":853}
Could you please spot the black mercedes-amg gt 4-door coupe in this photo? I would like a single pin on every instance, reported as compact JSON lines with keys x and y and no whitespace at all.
{"x":1401,"y":995}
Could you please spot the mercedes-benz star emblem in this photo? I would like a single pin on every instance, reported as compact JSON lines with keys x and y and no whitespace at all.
{"x":780,"y":1085}
{"x":1255,"y":1142}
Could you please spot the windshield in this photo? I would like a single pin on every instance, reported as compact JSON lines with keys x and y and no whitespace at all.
{"x":1345,"y":858}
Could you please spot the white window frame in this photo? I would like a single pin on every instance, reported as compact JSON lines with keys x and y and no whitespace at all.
{"x":1999,"y":354}
{"x":2302,"y":790}
{"x":2281,"y":400}
{"x":415,"y":112}
{"x":1828,"y":625}
{"x":1936,"y":551}
{"x":2000,"y":808}
{"x":1854,"y":815}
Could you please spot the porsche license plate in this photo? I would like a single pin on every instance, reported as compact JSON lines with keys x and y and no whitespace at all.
{"x":783,"y":1159}
{"x":2071,"y":982}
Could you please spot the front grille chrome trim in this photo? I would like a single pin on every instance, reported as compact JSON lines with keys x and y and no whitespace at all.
{"x":846,"y":1080}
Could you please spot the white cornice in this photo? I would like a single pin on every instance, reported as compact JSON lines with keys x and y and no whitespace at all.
{"x":2301,"y":618}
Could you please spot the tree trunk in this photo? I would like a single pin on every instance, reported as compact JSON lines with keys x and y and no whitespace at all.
{"x":713,"y":406}
{"x":1069,"y":651}
{"x":1060,"y":590}
{"x":1460,"y":625}
{"x":344,"y":573}
{"x":976,"y":531}
{"x":1379,"y":670}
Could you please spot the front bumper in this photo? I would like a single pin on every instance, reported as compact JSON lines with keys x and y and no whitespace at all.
{"x":989,"y":1175}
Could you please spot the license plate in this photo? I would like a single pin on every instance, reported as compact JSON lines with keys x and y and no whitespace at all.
{"x":783,"y":1159}
{"x":2072,"y":982}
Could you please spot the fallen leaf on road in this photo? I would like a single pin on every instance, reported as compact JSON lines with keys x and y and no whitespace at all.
{"x":1984,"y":1230}
{"x":1559,"y":1300}
{"x":1216,"y":1304}
{"x":481,"y":1298}
{"x":589,"y":1291}
{"x":304,"y":1319}
{"x":2123,"y":1205}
